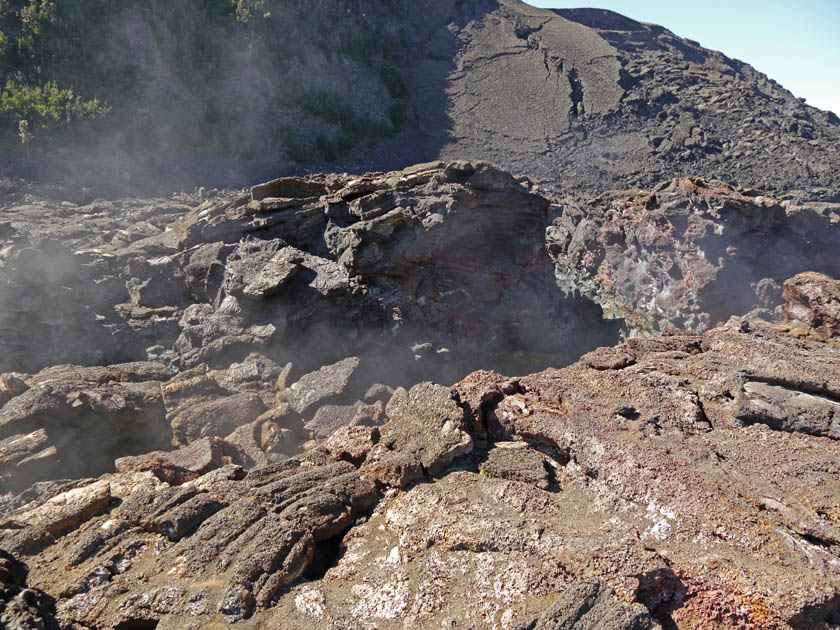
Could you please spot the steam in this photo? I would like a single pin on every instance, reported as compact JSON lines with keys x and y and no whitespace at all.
{"x":201,"y":96}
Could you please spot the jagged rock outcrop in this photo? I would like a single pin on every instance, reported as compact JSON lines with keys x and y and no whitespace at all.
{"x":688,"y":253}
{"x":629,"y":495}
{"x":281,"y":274}
{"x":283,"y":269}
{"x":52,"y":257}
{"x":73,"y":421}
{"x":352,"y":281}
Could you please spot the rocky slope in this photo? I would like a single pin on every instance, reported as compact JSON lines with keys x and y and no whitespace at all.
{"x":593,"y":99}
{"x":303,"y":404}
{"x":629,"y":490}
{"x":240,"y":410}
{"x":578,"y":98}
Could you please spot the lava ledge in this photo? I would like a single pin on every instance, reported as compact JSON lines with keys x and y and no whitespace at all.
{"x":629,"y":490}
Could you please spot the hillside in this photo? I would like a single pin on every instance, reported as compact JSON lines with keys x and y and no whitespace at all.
{"x":228,"y":92}
{"x":126,"y":91}
{"x":591,"y":99}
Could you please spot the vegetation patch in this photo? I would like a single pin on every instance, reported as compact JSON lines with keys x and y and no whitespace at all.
{"x":191,"y":74}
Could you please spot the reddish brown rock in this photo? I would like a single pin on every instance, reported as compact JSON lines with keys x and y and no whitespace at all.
{"x":352,"y":444}
{"x":814,"y":298}
{"x":425,"y":432}
{"x":180,"y":466}
{"x":696,"y":486}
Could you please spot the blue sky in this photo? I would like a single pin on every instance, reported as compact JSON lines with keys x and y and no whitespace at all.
{"x":795,"y":43}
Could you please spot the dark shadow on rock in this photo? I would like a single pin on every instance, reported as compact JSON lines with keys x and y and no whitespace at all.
{"x":138,"y":624}
{"x":823,"y":615}
{"x":662,"y":592}
{"x":21,"y":606}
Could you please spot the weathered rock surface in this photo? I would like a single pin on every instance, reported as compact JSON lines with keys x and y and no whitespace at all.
{"x":688,"y":253}
{"x":22,"y":608}
{"x":430,"y":271}
{"x":70,"y":421}
{"x":329,"y":382}
{"x":814,"y":299}
{"x":589,"y":605}
{"x":187,"y":463}
{"x":425,"y":432}
{"x":631,"y":495}
{"x":73,"y":421}
{"x":52,"y":257}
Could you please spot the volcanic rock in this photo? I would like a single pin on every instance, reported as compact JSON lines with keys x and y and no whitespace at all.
{"x":633,"y":494}
{"x":425,"y":432}
{"x":29,"y":456}
{"x":591,"y":99}
{"x":519,"y":462}
{"x":22,"y":608}
{"x":813,"y":298}
{"x":184,"y":464}
{"x":688,"y":253}
{"x":72,"y":421}
{"x":352,"y":444}
{"x":329,"y":382}
{"x":215,"y":418}
{"x":66,"y":511}
{"x":218,"y":336}
{"x":590,"y":605}
{"x":628,"y":489}
{"x":329,"y":418}
{"x":213,"y":282}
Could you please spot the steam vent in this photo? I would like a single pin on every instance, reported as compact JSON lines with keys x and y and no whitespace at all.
{"x":474,"y":315}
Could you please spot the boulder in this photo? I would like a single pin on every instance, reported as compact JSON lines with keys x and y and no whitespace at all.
{"x":255,"y":444}
{"x":215,"y":418}
{"x":352,"y":444}
{"x":22,"y":607}
{"x":176,"y":467}
{"x":30,"y":456}
{"x":218,"y":336}
{"x":330,"y":382}
{"x":65,"y":511}
{"x":425,"y":432}
{"x":814,"y":299}
{"x":519,"y":462}
{"x":329,"y":418}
